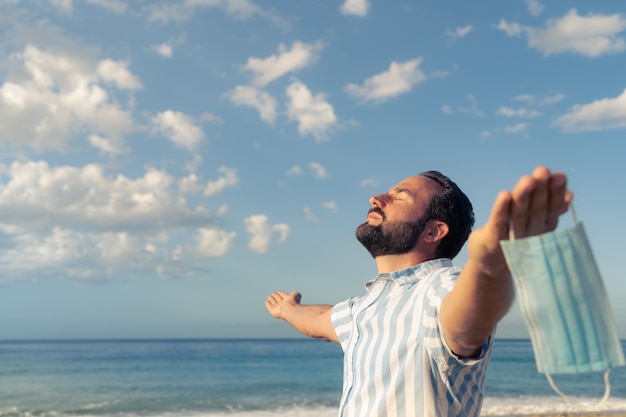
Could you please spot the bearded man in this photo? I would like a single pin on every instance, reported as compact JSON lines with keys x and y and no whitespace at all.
{"x":417,"y":343}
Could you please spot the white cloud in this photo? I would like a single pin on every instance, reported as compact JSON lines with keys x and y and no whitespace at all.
{"x":294,"y":171}
{"x":447,"y":109}
{"x":115,"y":72}
{"x":169,"y":12}
{"x":521,"y":112}
{"x":61,"y":254}
{"x":229,"y":179}
{"x":115,"y":6}
{"x":166,"y":49}
{"x":592,"y":35}
{"x":78,"y":223}
{"x":318,"y":170}
{"x":509,"y":130}
{"x":262,"y":233}
{"x":438,"y":74}
{"x":511,"y":29}
{"x":163,"y":49}
{"x":355,"y":7}
{"x":268,"y":69}
{"x":36,"y":196}
{"x":214,"y":243}
{"x":194,"y":164}
{"x":517,"y":128}
{"x":460,"y":32}
{"x":309,"y":216}
{"x":178,"y":12}
{"x":314,"y":115}
{"x":525,"y":98}
{"x":189,"y":184}
{"x":70,"y":255}
{"x":51,"y":96}
{"x":369,"y":182}
{"x":553,"y":99}
{"x":209,"y":117}
{"x":607,"y":113}
{"x":178,"y":128}
{"x":240,"y":9}
{"x":534,"y":7}
{"x":330,"y":205}
{"x":540,"y":101}
{"x":400,"y":78}
{"x":108,"y":145}
{"x":262,"y":101}
{"x":64,"y":6}
{"x":473,"y":108}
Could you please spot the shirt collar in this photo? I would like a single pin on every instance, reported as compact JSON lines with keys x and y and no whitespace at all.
{"x":413,"y":273}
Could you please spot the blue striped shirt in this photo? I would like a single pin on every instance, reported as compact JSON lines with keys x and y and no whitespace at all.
{"x":396,"y":363}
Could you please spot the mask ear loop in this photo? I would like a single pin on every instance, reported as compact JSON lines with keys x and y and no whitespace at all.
{"x":607,"y":392}
{"x":607,"y":382}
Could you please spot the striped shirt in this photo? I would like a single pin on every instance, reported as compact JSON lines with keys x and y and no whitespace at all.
{"x":396,"y":363}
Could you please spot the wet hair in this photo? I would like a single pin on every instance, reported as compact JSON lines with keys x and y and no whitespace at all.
{"x":451,"y":206}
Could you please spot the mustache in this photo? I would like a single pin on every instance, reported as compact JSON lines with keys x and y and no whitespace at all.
{"x":378,"y":211}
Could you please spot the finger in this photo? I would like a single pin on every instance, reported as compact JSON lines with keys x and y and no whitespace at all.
{"x":539,"y":205}
{"x":501,"y":214}
{"x":569,"y":197}
{"x":520,"y":202}
{"x":276,"y":297}
{"x":558,"y":200}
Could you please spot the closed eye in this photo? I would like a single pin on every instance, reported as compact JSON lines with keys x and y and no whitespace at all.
{"x":401,"y":194}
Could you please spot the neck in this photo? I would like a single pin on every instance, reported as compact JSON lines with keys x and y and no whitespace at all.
{"x":390,"y":263}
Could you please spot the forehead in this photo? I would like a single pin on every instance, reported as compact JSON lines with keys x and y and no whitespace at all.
{"x":418,"y":186}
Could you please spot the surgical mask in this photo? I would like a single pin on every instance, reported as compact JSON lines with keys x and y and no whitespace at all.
{"x":564,"y":304}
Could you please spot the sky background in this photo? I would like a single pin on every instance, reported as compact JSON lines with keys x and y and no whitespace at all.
{"x":166,"y":165}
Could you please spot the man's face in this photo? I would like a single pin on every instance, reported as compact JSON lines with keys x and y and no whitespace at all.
{"x":397,"y":218}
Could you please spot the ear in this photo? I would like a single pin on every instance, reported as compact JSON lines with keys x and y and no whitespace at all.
{"x":435,"y":231}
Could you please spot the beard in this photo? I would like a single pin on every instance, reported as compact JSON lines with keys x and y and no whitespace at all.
{"x":393,"y":238}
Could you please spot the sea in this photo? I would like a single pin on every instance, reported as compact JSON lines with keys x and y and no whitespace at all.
{"x":246,"y":378}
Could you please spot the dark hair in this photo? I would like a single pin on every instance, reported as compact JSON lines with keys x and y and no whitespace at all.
{"x":452,"y":207}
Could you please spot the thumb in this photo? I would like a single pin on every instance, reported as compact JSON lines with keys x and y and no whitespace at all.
{"x":500,"y":215}
{"x":296,"y":296}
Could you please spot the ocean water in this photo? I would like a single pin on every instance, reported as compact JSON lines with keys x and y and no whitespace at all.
{"x":243,"y":378}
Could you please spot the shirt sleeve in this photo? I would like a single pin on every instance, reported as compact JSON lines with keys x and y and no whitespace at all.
{"x":341,"y":317}
{"x":440,"y":351}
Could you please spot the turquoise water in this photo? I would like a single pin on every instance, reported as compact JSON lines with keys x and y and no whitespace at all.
{"x":237,"y":377}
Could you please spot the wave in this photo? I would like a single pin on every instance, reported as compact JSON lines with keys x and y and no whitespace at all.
{"x":321,"y":411}
{"x":492,"y":407}
{"x":549,"y":405}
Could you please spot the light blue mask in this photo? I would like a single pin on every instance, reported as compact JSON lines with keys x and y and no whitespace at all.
{"x":564,"y":304}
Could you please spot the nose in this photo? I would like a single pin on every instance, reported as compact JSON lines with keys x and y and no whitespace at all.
{"x":378,"y":200}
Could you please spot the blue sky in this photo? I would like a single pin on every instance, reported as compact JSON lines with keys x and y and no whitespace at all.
{"x":166,"y":165}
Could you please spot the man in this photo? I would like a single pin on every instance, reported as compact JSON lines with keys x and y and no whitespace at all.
{"x":418,"y":342}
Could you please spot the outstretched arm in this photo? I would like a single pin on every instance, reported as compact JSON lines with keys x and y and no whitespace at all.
{"x":484,"y":292}
{"x":310,"y":320}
